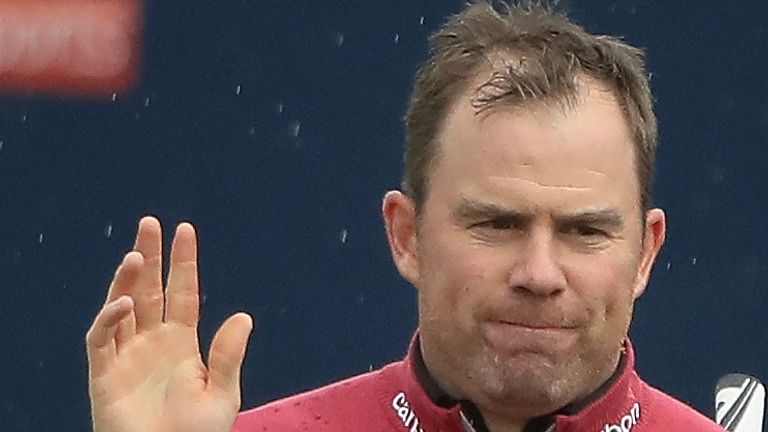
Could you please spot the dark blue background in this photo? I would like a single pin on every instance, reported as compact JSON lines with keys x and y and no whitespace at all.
{"x":284,"y":182}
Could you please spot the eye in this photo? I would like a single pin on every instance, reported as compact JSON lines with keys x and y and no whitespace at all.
{"x":498,"y":224}
{"x":588,"y":231}
{"x":495,"y":229}
{"x":587,"y":234}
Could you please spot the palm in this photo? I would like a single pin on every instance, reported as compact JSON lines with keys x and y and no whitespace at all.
{"x":146,"y":369}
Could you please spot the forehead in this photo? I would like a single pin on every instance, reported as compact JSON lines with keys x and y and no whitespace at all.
{"x":546,"y":150}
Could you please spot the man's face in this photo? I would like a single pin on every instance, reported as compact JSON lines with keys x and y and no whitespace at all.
{"x":529,"y":252}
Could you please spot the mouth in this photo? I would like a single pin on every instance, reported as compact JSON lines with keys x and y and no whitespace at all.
{"x":513,"y":336}
{"x":534,"y":325}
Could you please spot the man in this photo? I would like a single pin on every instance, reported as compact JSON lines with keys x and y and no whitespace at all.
{"x":525,"y":224}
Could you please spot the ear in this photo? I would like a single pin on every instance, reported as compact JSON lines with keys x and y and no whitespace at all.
{"x":655,"y":234}
{"x":399,"y":214}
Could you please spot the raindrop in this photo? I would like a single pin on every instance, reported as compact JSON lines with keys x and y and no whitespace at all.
{"x":397,"y":37}
{"x":1,"y":144}
{"x":114,"y":97}
{"x":693,"y":261}
{"x":24,"y":118}
{"x":280,"y":108}
{"x":669,"y":264}
{"x":40,"y":238}
{"x":108,"y":230}
{"x":421,"y":20}
{"x":339,"y":39}
{"x":238,"y":89}
{"x":343,"y":235}
{"x":146,"y":102}
{"x":295,"y":129}
{"x":370,"y":367}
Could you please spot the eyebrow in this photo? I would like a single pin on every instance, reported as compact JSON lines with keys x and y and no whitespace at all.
{"x":604,"y":217}
{"x":469,"y":209}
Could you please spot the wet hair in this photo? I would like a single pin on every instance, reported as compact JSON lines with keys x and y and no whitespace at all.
{"x":536,"y":55}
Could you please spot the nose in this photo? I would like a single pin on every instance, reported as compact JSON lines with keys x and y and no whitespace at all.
{"x":536,"y":269}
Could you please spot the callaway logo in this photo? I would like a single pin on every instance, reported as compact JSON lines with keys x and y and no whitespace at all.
{"x":405,"y":413}
{"x":626,"y":423}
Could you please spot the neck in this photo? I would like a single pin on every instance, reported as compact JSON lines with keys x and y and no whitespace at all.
{"x":496,"y":424}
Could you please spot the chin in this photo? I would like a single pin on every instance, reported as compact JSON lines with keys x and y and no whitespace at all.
{"x":533,"y":384}
{"x":524,"y":377}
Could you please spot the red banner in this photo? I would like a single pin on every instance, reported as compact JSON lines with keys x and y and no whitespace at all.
{"x":70,"y":47}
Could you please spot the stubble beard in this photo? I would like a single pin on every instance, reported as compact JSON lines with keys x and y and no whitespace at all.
{"x":532,"y":383}
{"x":525,"y":379}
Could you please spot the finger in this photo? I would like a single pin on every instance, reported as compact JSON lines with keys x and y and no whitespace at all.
{"x":100,"y":339}
{"x":225,"y":358}
{"x":125,"y":276}
{"x":123,"y":284}
{"x":126,"y":330}
{"x":148,"y":292}
{"x":182,"y":295}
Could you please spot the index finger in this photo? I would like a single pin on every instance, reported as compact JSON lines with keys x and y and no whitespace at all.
{"x":148,"y":292}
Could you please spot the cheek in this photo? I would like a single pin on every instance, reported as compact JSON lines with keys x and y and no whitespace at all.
{"x":476,"y":267}
{"x":456,"y":281}
{"x":606,"y":286}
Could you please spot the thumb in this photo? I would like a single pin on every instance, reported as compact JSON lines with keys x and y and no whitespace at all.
{"x":227,"y":352}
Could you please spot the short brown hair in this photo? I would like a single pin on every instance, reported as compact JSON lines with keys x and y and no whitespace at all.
{"x":551,"y":51}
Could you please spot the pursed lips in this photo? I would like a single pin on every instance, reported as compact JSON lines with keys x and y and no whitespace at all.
{"x":535,"y":325}
{"x":515,"y":336}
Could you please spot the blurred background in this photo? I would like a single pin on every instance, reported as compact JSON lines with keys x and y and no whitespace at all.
{"x":275,"y":127}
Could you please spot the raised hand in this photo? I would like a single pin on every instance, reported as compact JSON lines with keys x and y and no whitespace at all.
{"x":145,"y":368}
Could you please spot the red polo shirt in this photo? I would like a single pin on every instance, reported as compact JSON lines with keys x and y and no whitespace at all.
{"x":402,"y":397}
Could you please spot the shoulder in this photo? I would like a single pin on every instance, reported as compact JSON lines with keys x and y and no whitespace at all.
{"x":348,"y":404}
{"x":664,"y":412}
